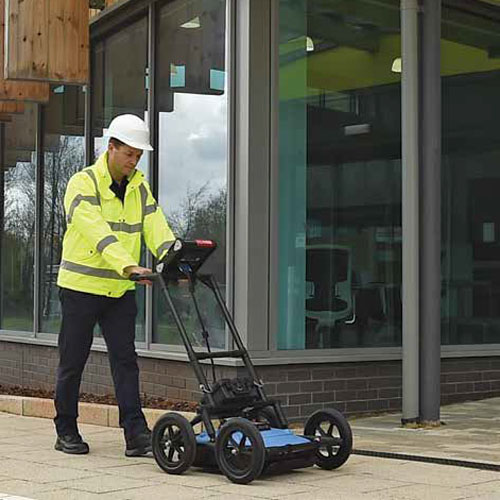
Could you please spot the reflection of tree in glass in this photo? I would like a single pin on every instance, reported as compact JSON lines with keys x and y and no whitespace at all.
{"x":60,"y":165}
{"x":202,"y":214}
{"x":20,"y":201}
{"x":18,"y":243}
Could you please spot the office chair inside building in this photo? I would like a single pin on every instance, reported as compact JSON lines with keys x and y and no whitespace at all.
{"x":329,"y":297}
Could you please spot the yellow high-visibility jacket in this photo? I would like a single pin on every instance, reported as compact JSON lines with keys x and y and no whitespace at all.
{"x":104,"y":235}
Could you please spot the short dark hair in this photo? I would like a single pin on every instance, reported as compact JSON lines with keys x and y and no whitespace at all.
{"x":116,"y":142}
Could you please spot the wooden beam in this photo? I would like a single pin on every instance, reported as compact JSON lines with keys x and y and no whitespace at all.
{"x":18,"y":91}
{"x":15,"y":107}
{"x":24,"y":91}
{"x":47,"y":40}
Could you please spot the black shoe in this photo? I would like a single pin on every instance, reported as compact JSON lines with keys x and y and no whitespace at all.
{"x":71,"y":443}
{"x":139,"y":445}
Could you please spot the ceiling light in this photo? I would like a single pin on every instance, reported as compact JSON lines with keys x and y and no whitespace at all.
{"x":396,"y":65}
{"x":358,"y":129}
{"x":309,"y":44}
{"x":192,"y":24}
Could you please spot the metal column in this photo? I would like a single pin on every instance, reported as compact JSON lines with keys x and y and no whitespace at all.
{"x":154,"y":175}
{"x":2,"y":202}
{"x":39,"y":215}
{"x":430,"y":247}
{"x":252,"y":94}
{"x":88,"y":126}
{"x":410,"y":208}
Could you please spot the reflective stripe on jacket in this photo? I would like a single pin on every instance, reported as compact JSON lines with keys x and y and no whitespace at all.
{"x":103,"y":236}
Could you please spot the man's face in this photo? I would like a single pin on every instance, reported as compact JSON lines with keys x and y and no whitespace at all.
{"x":122,"y":160}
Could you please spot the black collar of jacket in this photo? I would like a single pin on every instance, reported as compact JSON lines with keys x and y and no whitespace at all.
{"x":119,"y":189}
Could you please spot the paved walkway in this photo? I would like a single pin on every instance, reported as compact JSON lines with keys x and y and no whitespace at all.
{"x":31,"y":468}
{"x":471,"y":432}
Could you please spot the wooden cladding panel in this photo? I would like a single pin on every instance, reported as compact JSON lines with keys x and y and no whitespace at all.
{"x":47,"y":40}
{"x":15,"y":107}
{"x":19,"y":91}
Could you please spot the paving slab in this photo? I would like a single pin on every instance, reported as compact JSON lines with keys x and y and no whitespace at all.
{"x":104,"y":483}
{"x":71,"y":494}
{"x":38,"y":472}
{"x":167,"y":491}
{"x":25,"y":488}
{"x":470,"y":431}
{"x":89,"y":462}
{"x":264,"y":489}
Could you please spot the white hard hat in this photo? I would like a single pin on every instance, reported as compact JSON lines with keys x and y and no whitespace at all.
{"x":131,"y":130}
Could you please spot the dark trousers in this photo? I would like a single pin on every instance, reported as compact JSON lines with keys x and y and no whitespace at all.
{"x":116,"y":316}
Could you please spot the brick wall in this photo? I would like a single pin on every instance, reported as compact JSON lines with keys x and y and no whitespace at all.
{"x":354,"y":388}
{"x":469,"y":379}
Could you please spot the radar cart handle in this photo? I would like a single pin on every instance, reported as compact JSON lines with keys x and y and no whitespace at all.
{"x":140,"y":277}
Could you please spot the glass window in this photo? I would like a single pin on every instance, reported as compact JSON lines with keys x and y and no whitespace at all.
{"x":119,"y":80}
{"x":192,"y":120}
{"x":119,"y":86}
{"x":470,"y":177}
{"x":17,"y":236}
{"x":64,"y":155}
{"x":339,"y":174}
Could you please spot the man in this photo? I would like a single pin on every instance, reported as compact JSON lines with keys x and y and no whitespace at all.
{"x":109,"y":206}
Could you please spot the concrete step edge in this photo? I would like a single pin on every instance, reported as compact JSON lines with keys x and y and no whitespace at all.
{"x":89,"y":413}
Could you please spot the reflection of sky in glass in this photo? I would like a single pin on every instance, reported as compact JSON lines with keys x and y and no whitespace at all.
{"x":193,"y":147}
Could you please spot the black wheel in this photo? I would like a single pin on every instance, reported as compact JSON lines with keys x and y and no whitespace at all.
{"x":331,"y":429}
{"x":174,"y":443}
{"x":239,"y":450}
{"x":267,"y":415}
